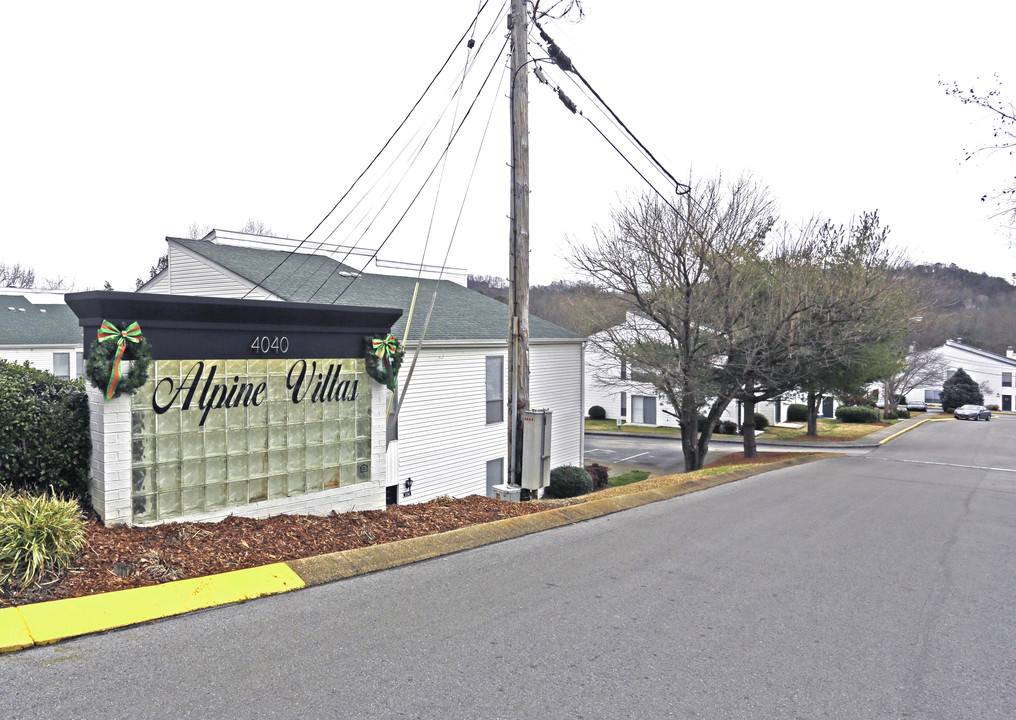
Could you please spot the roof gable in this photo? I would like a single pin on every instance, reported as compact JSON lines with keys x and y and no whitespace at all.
{"x":980,"y":353}
{"x":459,"y":313}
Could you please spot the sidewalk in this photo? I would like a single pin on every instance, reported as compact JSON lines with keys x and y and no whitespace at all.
{"x":872,"y":440}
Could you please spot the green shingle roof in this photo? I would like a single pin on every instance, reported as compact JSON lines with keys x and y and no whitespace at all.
{"x":459,"y":313}
{"x":36,"y":325}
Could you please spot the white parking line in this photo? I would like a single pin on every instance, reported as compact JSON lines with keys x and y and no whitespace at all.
{"x":598,"y":450}
{"x":955,"y":465}
{"x":630,"y":457}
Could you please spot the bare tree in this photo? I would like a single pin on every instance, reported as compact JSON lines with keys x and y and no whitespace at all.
{"x":196,"y":232}
{"x":256,"y":227}
{"x":922,"y":368}
{"x":16,"y":276}
{"x":161,"y":264}
{"x":1003,"y":139}
{"x":680,"y":270}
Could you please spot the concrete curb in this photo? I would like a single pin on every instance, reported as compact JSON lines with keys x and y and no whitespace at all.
{"x":41,"y":623}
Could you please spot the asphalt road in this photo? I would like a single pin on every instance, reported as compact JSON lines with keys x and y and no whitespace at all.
{"x":874,"y":586}
{"x":663,"y":456}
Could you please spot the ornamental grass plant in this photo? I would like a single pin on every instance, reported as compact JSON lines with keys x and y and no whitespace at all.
{"x":39,"y":535}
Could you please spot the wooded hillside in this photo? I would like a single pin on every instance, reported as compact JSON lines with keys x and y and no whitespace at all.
{"x":974,"y":308}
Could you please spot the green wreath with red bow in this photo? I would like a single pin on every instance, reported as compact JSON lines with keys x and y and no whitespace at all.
{"x":383,"y":359}
{"x":110,"y":347}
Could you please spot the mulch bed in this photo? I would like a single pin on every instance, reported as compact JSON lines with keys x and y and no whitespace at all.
{"x":118,"y":558}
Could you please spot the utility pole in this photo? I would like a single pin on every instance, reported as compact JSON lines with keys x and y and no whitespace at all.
{"x":518,"y":291}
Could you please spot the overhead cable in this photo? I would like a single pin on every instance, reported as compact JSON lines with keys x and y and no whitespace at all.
{"x":371,"y":163}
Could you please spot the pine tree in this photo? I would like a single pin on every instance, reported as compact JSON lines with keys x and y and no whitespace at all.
{"x":960,"y":389}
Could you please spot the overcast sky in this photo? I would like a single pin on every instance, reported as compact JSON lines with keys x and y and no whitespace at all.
{"x":124,"y":123}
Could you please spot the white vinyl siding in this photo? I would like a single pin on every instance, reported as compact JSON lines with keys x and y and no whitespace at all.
{"x":192,"y":275}
{"x":40,"y":358}
{"x":444,"y":441}
{"x":555,"y":383}
{"x":159,"y":284}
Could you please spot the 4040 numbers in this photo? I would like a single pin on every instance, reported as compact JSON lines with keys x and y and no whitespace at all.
{"x":275,"y":345}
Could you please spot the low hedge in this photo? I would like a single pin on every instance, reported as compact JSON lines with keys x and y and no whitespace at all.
{"x":568,"y":481}
{"x":797,"y":412}
{"x":596,"y":412}
{"x":44,"y":437}
{"x":857,"y":414}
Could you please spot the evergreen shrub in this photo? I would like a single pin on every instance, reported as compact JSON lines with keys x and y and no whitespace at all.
{"x":44,"y":437}
{"x":597,"y":413}
{"x":569,"y":481}
{"x":857,"y":414}
{"x":960,"y":389}
{"x":761,"y":421}
{"x":727,"y":427}
{"x":797,"y":412}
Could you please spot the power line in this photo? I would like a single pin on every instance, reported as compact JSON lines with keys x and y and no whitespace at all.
{"x":565,"y":63}
{"x":423,"y":185}
{"x":371,"y":163}
{"x":393,"y":187}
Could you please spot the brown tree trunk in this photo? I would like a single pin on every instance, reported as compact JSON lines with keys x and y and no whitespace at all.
{"x":748,"y":427}
{"x":689,"y":439}
{"x":814,"y":399}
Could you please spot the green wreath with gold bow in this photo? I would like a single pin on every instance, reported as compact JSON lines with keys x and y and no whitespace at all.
{"x":383,"y":359}
{"x":110,"y":347}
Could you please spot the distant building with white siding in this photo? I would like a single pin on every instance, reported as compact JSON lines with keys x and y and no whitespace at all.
{"x":36,"y":326}
{"x":994,"y":373}
{"x":452,"y":430}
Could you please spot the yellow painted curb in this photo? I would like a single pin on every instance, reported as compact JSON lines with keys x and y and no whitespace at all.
{"x":906,"y":429}
{"x":28,"y":625}
{"x":13,"y":631}
{"x":60,"y":619}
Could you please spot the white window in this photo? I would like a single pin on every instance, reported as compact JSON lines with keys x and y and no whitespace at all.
{"x":643,"y":409}
{"x":495,"y":389}
{"x":62,"y":365}
{"x":1007,"y":379}
{"x":80,"y":365}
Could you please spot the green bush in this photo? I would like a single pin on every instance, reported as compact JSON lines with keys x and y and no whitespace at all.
{"x":727,"y":427}
{"x":857,"y":414}
{"x":44,"y":438}
{"x":761,"y":421}
{"x":568,"y":481}
{"x":597,"y":413}
{"x":960,"y":389}
{"x":797,"y":412}
{"x":39,"y":535}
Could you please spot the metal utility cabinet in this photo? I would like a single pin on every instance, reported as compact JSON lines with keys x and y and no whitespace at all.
{"x":536,"y":449}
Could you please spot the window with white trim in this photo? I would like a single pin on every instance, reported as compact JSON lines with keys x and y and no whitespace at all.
{"x":495,"y":389}
{"x":62,"y":365}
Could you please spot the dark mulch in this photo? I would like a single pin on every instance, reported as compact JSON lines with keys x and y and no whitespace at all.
{"x":118,"y":558}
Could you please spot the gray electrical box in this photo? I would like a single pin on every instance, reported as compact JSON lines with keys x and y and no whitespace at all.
{"x":536,"y":449}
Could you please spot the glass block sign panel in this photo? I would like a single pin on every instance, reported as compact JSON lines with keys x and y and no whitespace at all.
{"x":212,"y":434}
